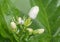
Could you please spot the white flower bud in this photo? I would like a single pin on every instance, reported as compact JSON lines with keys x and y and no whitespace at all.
{"x":30,"y":30}
{"x":40,"y":31}
{"x":33,"y":12}
{"x":13,"y":25}
{"x":20,"y":21}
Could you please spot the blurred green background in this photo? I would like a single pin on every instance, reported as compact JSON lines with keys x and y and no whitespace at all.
{"x":22,"y":5}
{"x":48,"y":18}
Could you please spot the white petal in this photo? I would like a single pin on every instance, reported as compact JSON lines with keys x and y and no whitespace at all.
{"x":33,"y":12}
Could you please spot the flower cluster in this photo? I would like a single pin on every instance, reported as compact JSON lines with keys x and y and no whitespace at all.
{"x":24,"y":23}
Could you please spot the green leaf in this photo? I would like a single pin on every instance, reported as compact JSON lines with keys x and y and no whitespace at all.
{"x":7,"y":12}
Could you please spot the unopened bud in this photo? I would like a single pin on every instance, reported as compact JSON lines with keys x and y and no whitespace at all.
{"x":13,"y":25}
{"x":27,"y":22}
{"x":33,"y":12}
{"x":30,"y":30}
{"x":20,"y":21}
{"x":40,"y":31}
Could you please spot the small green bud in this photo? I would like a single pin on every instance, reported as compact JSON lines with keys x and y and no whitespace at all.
{"x":27,"y":22}
{"x":35,"y":32}
{"x":17,"y":32}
